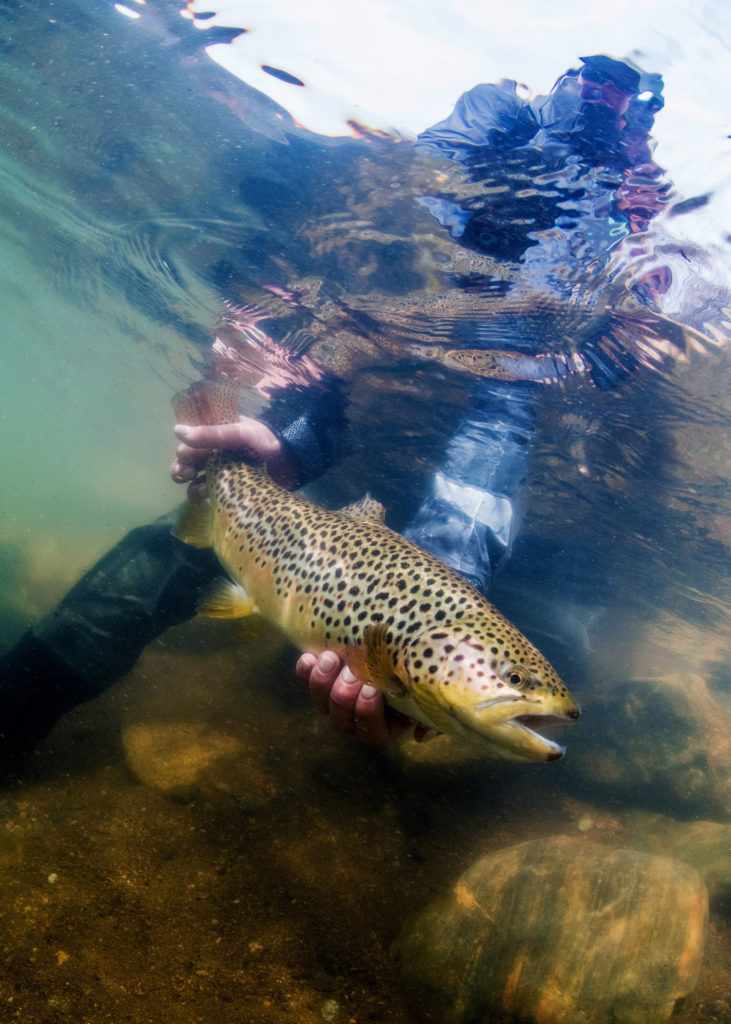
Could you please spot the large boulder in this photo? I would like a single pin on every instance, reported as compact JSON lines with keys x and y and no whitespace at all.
{"x":557,"y":931}
{"x":660,"y":740}
{"x":706,"y":845}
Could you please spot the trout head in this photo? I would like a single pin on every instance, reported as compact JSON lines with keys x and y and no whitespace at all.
{"x":491,"y":686}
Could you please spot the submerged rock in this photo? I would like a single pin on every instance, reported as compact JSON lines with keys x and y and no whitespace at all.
{"x":706,"y":845}
{"x":168,"y":755}
{"x":436,"y":751}
{"x":657,"y":739}
{"x":557,"y":931}
{"x":183,"y":758}
{"x":199,"y":715}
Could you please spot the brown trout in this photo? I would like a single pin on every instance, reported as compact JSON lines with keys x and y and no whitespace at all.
{"x":397,"y":616}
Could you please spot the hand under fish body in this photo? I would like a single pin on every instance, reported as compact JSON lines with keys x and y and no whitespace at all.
{"x":399,"y":618}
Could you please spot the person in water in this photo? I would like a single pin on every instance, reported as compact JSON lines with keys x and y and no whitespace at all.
{"x":599,"y":116}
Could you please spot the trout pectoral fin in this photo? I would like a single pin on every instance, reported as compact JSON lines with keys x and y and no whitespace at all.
{"x":423,"y":734}
{"x":355,"y":659}
{"x":380,"y":659}
{"x":194,"y":524}
{"x":226,"y":600}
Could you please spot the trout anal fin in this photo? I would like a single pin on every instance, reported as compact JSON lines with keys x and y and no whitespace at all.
{"x":225,"y":599}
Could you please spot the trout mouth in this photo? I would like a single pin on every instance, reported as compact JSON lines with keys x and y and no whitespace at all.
{"x":519,"y":737}
{"x":530,"y":742}
{"x":532,"y":721}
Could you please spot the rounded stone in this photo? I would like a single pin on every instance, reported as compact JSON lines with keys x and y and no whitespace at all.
{"x":557,"y":931}
{"x":183,"y":758}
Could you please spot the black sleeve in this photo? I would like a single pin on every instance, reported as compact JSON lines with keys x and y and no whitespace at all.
{"x":311,"y":424}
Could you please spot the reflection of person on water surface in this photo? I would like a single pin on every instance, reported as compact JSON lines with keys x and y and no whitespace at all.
{"x":599,"y":117}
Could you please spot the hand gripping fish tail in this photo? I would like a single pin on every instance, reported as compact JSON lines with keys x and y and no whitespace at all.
{"x":401,"y":619}
{"x":206,"y":403}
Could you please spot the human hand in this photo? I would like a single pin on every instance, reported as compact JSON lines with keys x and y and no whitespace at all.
{"x":353,"y":706}
{"x":251,"y":437}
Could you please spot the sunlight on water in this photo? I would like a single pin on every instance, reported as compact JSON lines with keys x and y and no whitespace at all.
{"x":522,"y":341}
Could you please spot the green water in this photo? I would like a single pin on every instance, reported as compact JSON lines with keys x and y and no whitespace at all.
{"x":90,"y":429}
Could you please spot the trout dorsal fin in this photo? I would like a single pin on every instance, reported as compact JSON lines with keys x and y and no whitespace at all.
{"x":366,"y":508}
{"x":206,"y":403}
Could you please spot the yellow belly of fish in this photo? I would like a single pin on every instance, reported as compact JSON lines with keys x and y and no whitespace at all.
{"x":302,"y":600}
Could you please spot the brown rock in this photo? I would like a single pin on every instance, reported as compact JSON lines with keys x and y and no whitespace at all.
{"x":168,"y":755}
{"x":557,"y":931}
{"x":706,"y":845}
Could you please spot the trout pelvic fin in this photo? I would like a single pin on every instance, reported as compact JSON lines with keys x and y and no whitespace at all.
{"x":366,"y":508}
{"x":194,"y":524}
{"x":226,"y":600}
{"x":205,"y":403}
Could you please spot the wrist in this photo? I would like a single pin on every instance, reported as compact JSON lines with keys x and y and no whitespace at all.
{"x":280,"y":465}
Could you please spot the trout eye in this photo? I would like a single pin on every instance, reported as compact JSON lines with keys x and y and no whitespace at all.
{"x":516,"y":678}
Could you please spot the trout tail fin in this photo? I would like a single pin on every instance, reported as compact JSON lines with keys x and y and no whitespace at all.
{"x":206,"y":402}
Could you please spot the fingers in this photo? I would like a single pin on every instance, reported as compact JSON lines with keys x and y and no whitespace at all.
{"x":353,"y":706}
{"x":319,"y":674}
{"x":343,"y":704}
{"x":252,"y":438}
{"x":362,"y":708}
{"x":246,"y":435}
{"x":304,"y":666}
{"x":187,"y":464}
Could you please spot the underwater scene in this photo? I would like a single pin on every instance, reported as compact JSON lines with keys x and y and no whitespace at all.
{"x":364,"y":536}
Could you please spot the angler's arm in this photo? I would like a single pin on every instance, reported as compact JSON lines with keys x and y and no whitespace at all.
{"x":249,"y":436}
{"x":297,"y":437}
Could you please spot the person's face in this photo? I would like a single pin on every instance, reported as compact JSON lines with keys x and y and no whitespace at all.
{"x":606,"y":94}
